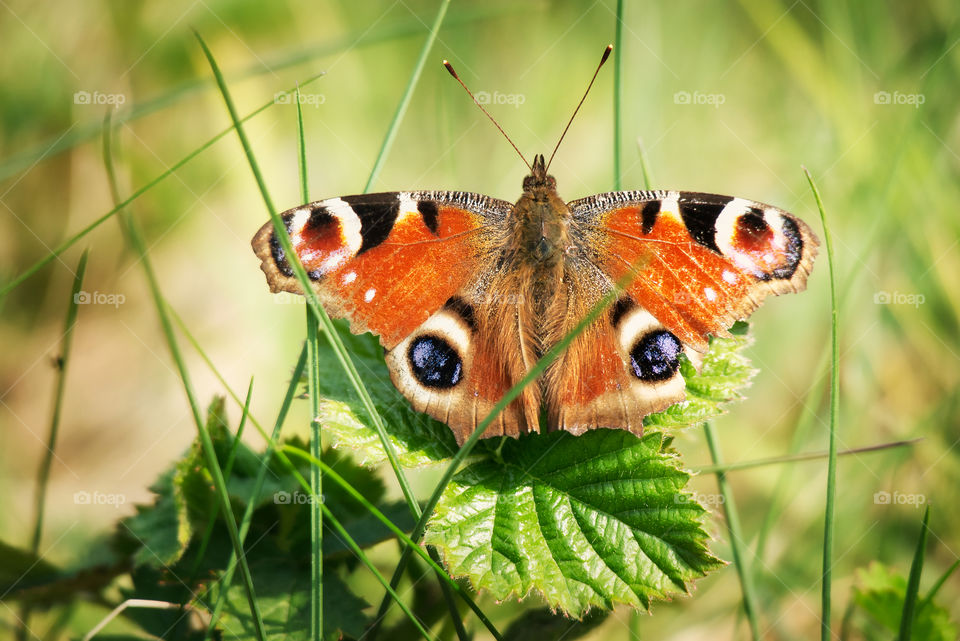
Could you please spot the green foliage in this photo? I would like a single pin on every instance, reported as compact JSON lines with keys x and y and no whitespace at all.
{"x":162,"y":540}
{"x":880,"y":592}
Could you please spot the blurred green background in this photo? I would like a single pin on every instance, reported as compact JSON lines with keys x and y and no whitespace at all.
{"x":727,"y":97}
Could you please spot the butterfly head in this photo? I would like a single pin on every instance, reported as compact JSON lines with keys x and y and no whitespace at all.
{"x":538,"y":179}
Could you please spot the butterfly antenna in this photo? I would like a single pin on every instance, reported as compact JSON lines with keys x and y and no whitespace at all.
{"x":492,"y":119}
{"x":606,"y":54}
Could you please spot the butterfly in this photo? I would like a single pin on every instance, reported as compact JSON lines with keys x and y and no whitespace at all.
{"x":466,"y":292}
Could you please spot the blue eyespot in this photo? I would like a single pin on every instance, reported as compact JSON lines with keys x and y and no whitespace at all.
{"x":656,"y":356}
{"x":434,"y":362}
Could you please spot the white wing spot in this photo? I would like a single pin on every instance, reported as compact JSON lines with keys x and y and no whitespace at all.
{"x":710,"y":294}
{"x":370,"y":294}
{"x":729,"y":276}
{"x":349,"y":277}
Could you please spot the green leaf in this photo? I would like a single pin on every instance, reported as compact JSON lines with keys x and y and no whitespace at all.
{"x":420,"y":440}
{"x":586,"y":521}
{"x":880,"y":593}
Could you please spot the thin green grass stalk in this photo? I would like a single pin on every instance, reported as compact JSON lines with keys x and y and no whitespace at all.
{"x":313,"y":385}
{"x":247,"y":518}
{"x":617,"y":97}
{"x":549,"y":356}
{"x":939,"y":584}
{"x":285,"y":461}
{"x":878,"y":230}
{"x":279,"y":450}
{"x":644,"y":165}
{"x":43,"y":472}
{"x":913,"y":582}
{"x":796,"y":458}
{"x":407,"y":95}
{"x":750,"y":608}
{"x":209,"y":452}
{"x":70,"y":242}
{"x":385,"y":147}
{"x":329,"y":330}
{"x":227,"y":470}
{"x":829,"y":509}
{"x":363,"y":558}
{"x":401,"y":535}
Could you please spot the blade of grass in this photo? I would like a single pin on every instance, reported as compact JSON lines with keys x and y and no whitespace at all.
{"x":245,"y":521}
{"x":913,"y":582}
{"x":939,"y":584}
{"x":285,"y":461}
{"x":313,"y":386}
{"x":401,"y":535}
{"x":67,"y":244}
{"x":210,"y":454}
{"x":829,"y":508}
{"x":644,"y":165}
{"x":43,"y":473}
{"x":227,"y":469}
{"x":407,"y":95}
{"x":374,"y":173}
{"x":617,"y":97}
{"x":329,"y":330}
{"x":795,"y":458}
{"x":736,"y":539}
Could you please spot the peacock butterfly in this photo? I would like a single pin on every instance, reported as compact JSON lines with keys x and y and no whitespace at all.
{"x":466,"y":292}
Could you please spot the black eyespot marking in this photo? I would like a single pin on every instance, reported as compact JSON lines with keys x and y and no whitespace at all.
{"x":430,"y":213}
{"x":377,"y":214}
{"x":434,"y":362}
{"x":648,"y":215}
{"x":619,"y":310}
{"x":656,"y":356}
{"x":699,"y":213}
{"x":464,"y":310}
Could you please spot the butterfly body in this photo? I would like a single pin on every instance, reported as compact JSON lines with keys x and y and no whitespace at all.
{"x":467,"y":292}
